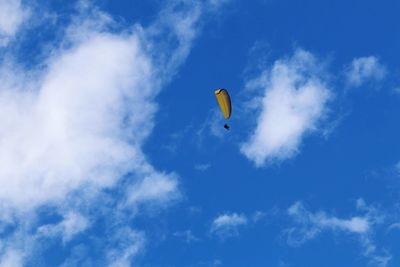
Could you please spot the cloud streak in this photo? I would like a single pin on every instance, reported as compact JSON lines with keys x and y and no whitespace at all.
{"x":309,"y":225}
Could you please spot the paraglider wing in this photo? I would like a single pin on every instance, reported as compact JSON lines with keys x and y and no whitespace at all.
{"x":224,"y":102}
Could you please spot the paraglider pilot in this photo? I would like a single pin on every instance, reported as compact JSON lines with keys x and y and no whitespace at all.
{"x":224,"y":102}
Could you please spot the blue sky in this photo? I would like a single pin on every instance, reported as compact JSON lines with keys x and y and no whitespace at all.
{"x":113,"y":152}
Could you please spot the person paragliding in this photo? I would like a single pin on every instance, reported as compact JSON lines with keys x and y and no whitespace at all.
{"x":225,"y":104}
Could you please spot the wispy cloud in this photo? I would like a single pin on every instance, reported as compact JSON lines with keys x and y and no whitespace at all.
{"x":397,"y":167}
{"x":202,"y":167}
{"x":218,"y":3}
{"x":313,"y":224}
{"x":156,"y":187}
{"x":187,"y":236}
{"x":12,"y":15}
{"x":309,"y":225}
{"x":228,"y":224}
{"x":258,"y":216}
{"x":127,"y":244}
{"x":73,"y":223}
{"x":364,"y":69}
{"x":394,"y":226}
{"x":11,"y":257}
{"x":295,"y":98}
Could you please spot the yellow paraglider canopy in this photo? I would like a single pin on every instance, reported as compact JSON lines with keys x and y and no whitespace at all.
{"x":224,"y":102}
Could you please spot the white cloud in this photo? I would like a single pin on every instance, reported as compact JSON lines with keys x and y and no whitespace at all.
{"x":128,"y":244}
{"x":81,"y":121}
{"x":364,"y":69}
{"x":309,"y":225}
{"x":75,"y":129}
{"x":12,"y":15}
{"x":72,"y":129}
{"x":78,"y":257}
{"x":316,"y":222}
{"x":294,"y":102}
{"x":229,"y":220}
{"x":72,"y":224}
{"x":155,"y":187}
{"x":227,"y":225}
{"x":179,"y":27}
{"x":15,"y":249}
{"x":382,"y":261}
{"x":11,"y":258}
{"x":370,"y":251}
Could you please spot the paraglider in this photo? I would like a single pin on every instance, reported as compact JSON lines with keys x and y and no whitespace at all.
{"x":224,"y":102}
